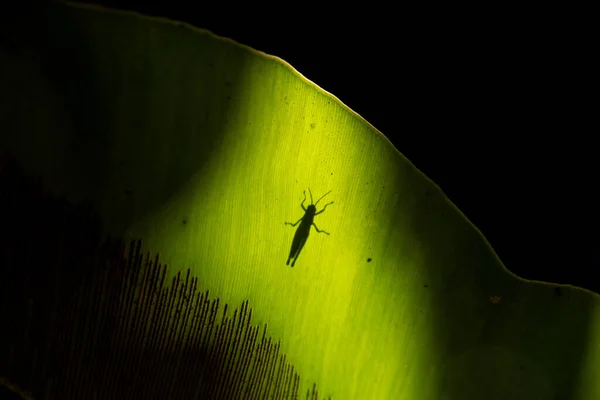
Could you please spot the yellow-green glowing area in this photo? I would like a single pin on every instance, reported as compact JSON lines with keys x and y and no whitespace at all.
{"x":203,"y":149}
{"x":338,"y":315}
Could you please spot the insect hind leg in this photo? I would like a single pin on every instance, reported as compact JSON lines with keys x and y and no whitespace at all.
{"x":292,"y":256}
{"x":296,"y":253}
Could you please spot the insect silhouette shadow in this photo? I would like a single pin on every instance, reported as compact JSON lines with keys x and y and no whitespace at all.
{"x":306,"y":222}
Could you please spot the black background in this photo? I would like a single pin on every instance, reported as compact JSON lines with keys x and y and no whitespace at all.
{"x":492,"y":104}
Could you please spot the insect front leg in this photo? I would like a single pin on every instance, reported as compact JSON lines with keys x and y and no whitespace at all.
{"x":289,"y":223}
{"x":318,"y":230}
{"x":302,"y":204}
{"x":323,"y":208}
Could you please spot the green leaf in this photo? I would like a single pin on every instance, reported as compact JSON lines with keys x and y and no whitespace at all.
{"x":203,"y":147}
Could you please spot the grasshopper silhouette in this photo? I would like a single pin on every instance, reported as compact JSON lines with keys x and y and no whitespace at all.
{"x":303,"y":230}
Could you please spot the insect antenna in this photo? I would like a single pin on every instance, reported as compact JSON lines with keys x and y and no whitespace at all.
{"x":320,"y":198}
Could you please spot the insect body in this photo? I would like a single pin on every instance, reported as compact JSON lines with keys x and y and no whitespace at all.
{"x":303,"y":230}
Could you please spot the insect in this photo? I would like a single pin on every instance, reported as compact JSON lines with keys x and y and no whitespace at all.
{"x":303,"y":230}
